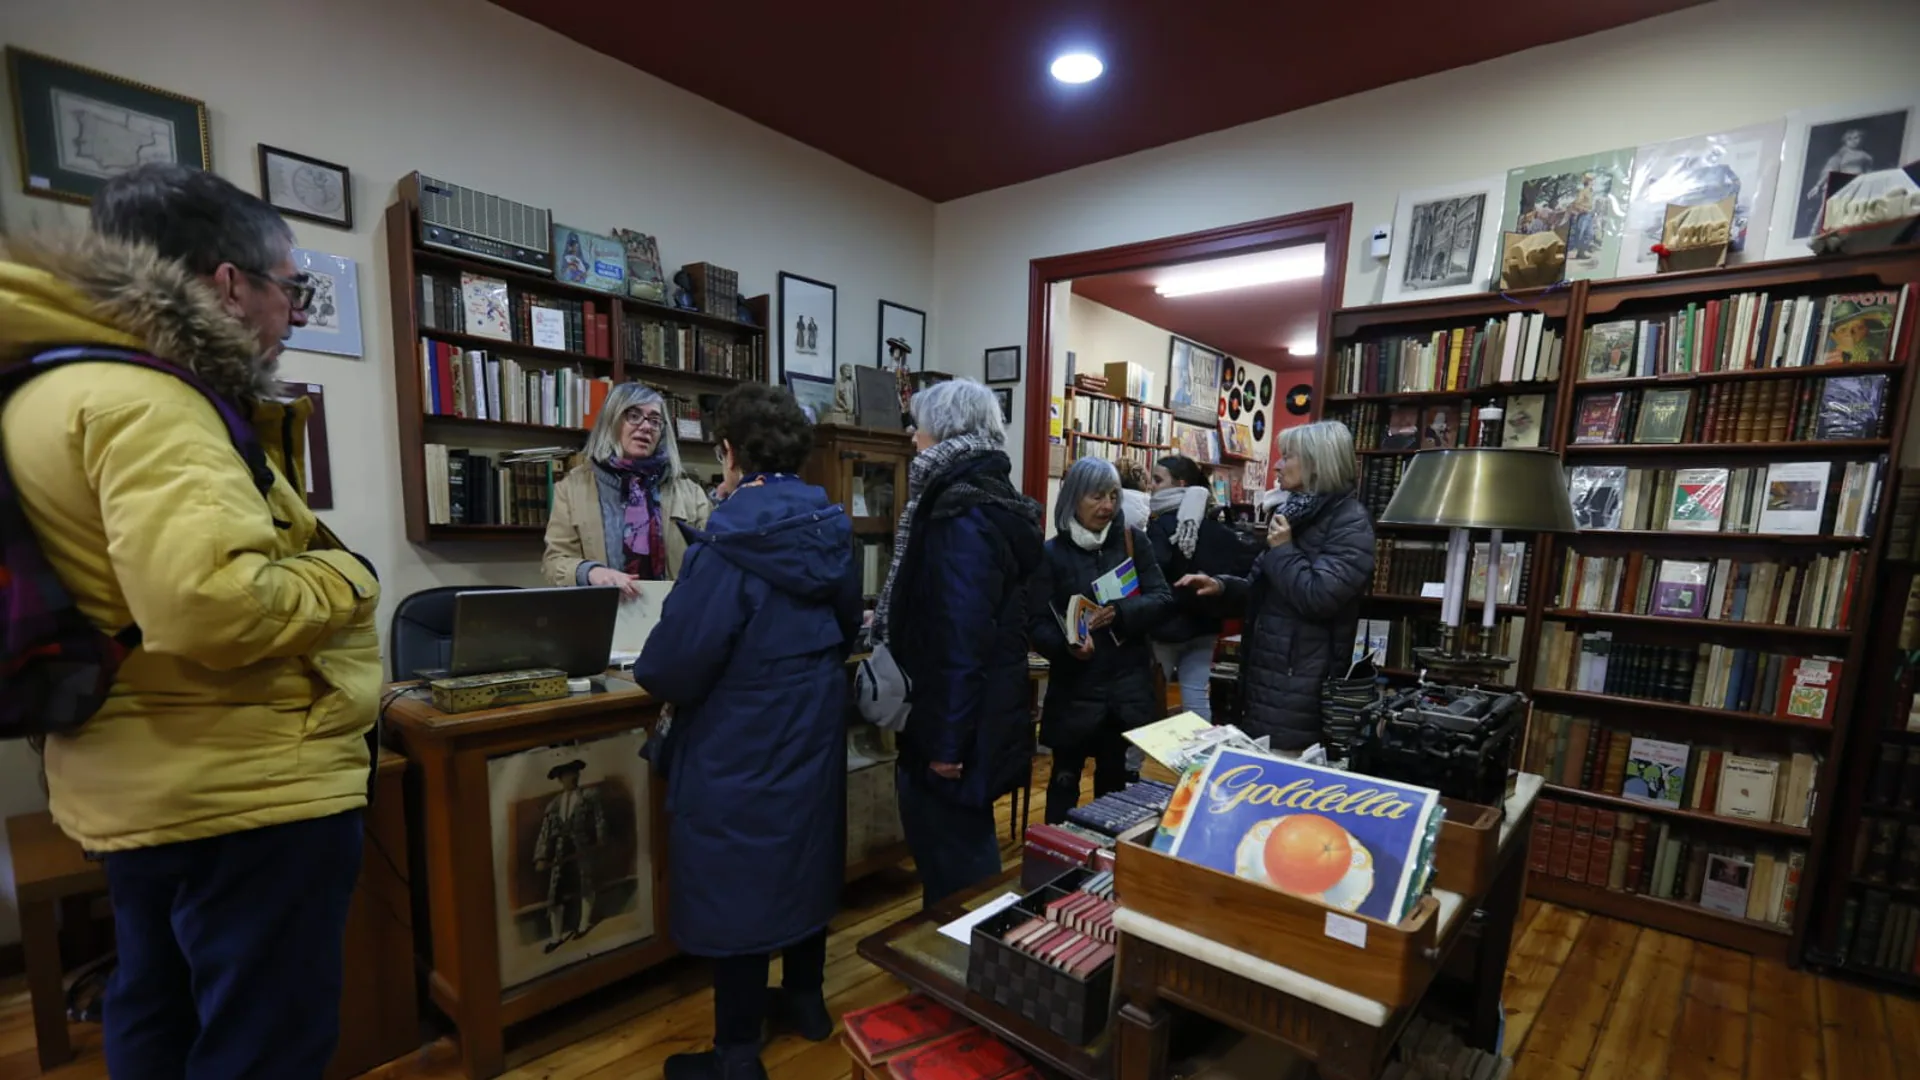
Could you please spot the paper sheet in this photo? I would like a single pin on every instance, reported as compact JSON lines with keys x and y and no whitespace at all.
{"x":1162,"y":739}
{"x":636,"y":620}
{"x":961,"y":929}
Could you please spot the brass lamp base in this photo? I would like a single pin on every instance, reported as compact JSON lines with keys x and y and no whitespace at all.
{"x":1450,"y":663}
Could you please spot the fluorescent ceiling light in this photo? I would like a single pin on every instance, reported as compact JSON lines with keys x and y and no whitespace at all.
{"x":1293,"y":264}
{"x":1078,"y":67}
{"x":1306,"y":346}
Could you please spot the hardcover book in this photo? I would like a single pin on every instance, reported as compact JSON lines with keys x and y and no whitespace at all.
{"x":1609,"y":350}
{"x":1525,"y":413}
{"x":1600,"y":416}
{"x":886,"y":1031}
{"x":969,"y":1055}
{"x":1746,"y":788}
{"x":1699,"y":498}
{"x":1808,"y":686}
{"x":1656,"y":772}
{"x":1858,"y":328}
{"x":1663,"y":416}
{"x":1441,"y":429}
{"x":1680,"y":590}
{"x":1851,"y":407}
{"x":1403,"y":428}
{"x":1598,"y":494}
{"x":1796,"y":496}
{"x":485,"y":302}
{"x":1725,"y":887}
{"x":1357,"y":843}
{"x":589,"y":260}
{"x":646,"y":280}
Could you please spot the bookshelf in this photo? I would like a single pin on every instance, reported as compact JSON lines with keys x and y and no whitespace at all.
{"x":548,"y":396}
{"x":1851,"y":615}
{"x":1112,"y":427}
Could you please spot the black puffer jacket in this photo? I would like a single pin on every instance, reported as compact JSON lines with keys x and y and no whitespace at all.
{"x":1303,"y":608}
{"x":1219,"y":552}
{"x":1115,"y":687}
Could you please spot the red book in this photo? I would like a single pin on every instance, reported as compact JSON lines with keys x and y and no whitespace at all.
{"x":1540,"y":844}
{"x":886,"y":1031}
{"x":970,"y":1055}
{"x":602,"y":324}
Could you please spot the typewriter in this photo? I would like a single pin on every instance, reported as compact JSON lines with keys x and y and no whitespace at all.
{"x":1458,"y":740}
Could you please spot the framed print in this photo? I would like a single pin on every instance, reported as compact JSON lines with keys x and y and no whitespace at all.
{"x":77,"y":128}
{"x":1004,"y":395}
{"x":906,"y":325}
{"x":1743,"y":164}
{"x":1003,"y":365}
{"x":1854,"y":139}
{"x":333,"y":320}
{"x":805,"y":326}
{"x":1193,"y":381}
{"x":1583,"y":197}
{"x":1444,"y":239}
{"x":814,"y":394}
{"x":319,"y":478}
{"x":306,"y":188}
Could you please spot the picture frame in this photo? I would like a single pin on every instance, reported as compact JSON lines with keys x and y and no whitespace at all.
{"x":814,"y":394}
{"x":1818,"y":134}
{"x":1193,"y":380}
{"x":75,"y":128}
{"x":1004,"y":395}
{"x":306,"y":188}
{"x":333,"y":322}
{"x":319,"y":478}
{"x":1583,"y":200}
{"x":1743,"y":163}
{"x":908,"y":324}
{"x":1420,"y":265}
{"x":1002,"y":365}
{"x":805,"y":327}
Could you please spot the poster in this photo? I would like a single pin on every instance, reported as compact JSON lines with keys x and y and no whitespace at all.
{"x":1744,"y":164}
{"x":1584,"y":196}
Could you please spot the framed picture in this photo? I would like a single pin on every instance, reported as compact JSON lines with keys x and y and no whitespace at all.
{"x":1004,"y":395}
{"x":1193,"y":381}
{"x":805,"y":326}
{"x":306,"y":188}
{"x":1003,"y":365}
{"x":814,"y":394}
{"x":1856,"y":138}
{"x":319,"y":478}
{"x":78,"y":128}
{"x":1582,"y":198}
{"x":1743,"y":164}
{"x":1444,"y":239}
{"x":333,"y":320}
{"x":907,"y":326}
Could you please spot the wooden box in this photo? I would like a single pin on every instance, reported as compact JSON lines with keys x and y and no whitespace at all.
{"x":1393,"y":967}
{"x":1469,"y":841}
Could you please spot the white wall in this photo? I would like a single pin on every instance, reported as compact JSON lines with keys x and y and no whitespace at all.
{"x":1100,"y":335}
{"x":468,"y":92}
{"x":1704,"y":69}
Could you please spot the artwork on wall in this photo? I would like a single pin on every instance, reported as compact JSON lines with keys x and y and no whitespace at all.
{"x":572,"y":855}
{"x":319,"y":479}
{"x":1003,"y":365}
{"x":77,"y":128}
{"x":333,"y":318}
{"x":1004,"y":395}
{"x":899,"y":322}
{"x":306,"y":188}
{"x":805,"y":327}
{"x":1193,"y":381}
{"x":814,"y":394}
{"x":1743,"y":164}
{"x":1444,"y":239}
{"x":1846,"y":139}
{"x":1585,"y":196}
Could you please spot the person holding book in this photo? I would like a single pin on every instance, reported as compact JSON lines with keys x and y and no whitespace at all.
{"x":1101,"y":682}
{"x":751,"y":652}
{"x":1188,"y":539}
{"x":613,"y":516}
{"x":1302,"y":597}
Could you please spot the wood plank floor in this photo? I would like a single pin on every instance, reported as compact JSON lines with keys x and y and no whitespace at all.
{"x":1587,"y":998}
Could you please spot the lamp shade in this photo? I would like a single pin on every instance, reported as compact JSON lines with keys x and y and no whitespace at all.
{"x":1515,"y":490}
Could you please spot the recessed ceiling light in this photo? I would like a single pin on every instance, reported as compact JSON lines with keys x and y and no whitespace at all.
{"x":1293,"y":264}
{"x":1306,"y":346}
{"x":1078,"y":67}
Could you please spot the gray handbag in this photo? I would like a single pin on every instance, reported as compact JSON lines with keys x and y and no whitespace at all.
{"x":882,"y":690}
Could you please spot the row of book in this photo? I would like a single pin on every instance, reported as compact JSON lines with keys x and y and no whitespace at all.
{"x":1903,"y":532}
{"x":1794,"y":498}
{"x":1813,"y":591}
{"x":1379,"y":478}
{"x":674,"y":347}
{"x":1415,"y":567}
{"x":1196,"y":441}
{"x":1886,"y":851}
{"x":1748,"y":332}
{"x":1113,"y":451}
{"x":1392,"y":642}
{"x":470,"y":487}
{"x":1098,"y":416}
{"x":1780,"y":685}
{"x":1896,"y":775}
{"x":917,"y":1038}
{"x":1634,"y":853}
{"x":1879,"y":932}
{"x":1074,"y":934}
{"x":1813,"y":409}
{"x":1518,"y":348}
{"x":482,"y":385}
{"x":488,"y":307}
{"x":1377,"y":426}
{"x":1577,"y":752}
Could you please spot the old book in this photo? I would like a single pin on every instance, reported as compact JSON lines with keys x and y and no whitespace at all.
{"x":1747,"y":788}
{"x":968,"y":1055}
{"x":885,"y":1031}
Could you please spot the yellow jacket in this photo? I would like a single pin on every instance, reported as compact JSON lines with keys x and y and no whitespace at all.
{"x":259,"y":669}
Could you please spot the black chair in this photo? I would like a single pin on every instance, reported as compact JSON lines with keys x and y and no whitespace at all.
{"x":421,"y":635}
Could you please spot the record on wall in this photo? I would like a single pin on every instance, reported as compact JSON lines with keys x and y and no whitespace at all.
{"x":1259,"y":426}
{"x":1229,"y":374}
{"x":1233,"y":404}
{"x":1266,"y":389}
{"x":1249,"y":393}
{"x":1300,"y":400}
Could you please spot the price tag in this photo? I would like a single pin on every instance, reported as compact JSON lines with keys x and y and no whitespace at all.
{"x":1351,"y":931}
{"x":1433,"y":590}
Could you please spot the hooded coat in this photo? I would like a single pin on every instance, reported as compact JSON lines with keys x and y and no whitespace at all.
{"x":751,"y":650}
{"x":258,"y":675}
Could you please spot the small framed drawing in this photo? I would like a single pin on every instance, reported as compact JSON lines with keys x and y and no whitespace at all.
{"x":1444,"y":239}
{"x":1857,"y":138}
{"x":814,"y":394}
{"x":333,"y":318}
{"x":805,"y":326}
{"x":77,"y":128}
{"x":1003,"y":364}
{"x":306,"y":188}
{"x":905,"y":326}
{"x":1004,"y":395}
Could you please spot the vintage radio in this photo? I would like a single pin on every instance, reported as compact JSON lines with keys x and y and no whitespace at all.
{"x":468,"y":222}
{"x":1457,"y":740}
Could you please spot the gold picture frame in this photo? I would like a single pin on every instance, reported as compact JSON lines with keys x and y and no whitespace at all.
{"x":75,"y":128}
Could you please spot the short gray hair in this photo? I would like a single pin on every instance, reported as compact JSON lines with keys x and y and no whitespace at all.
{"x":957,"y":407}
{"x":1087,"y":476}
{"x":192,"y":217}
{"x":1325,"y":453}
{"x":603,"y":443}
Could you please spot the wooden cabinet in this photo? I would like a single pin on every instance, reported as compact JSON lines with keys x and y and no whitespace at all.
{"x":865,"y":471}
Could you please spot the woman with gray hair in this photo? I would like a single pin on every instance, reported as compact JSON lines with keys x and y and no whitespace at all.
{"x":1102,"y":688}
{"x":1303,"y":597}
{"x":612,"y":518}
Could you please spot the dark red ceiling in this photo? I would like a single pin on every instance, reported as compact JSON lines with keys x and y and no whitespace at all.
{"x":947,"y":98}
{"x":1254,"y":323}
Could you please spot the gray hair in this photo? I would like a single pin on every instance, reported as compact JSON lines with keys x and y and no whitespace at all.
{"x":957,"y":407}
{"x":603,"y":443}
{"x":1325,"y":453}
{"x":1087,"y":476}
{"x":192,"y":217}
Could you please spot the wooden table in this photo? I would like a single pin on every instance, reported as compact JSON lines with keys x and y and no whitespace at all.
{"x":48,"y":869}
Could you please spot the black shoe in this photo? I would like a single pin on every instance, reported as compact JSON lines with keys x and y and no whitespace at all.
{"x":719,"y":1063}
{"x":802,"y":1012}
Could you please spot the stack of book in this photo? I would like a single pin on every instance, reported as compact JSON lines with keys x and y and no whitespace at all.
{"x":1097,"y":416}
{"x":1812,"y":591}
{"x":1518,"y":348}
{"x":1812,"y":409}
{"x":1112,"y":815}
{"x":1074,"y":934}
{"x":675,"y":347}
{"x":1743,"y":332}
{"x":1784,"y":686}
{"x":1379,"y":477}
{"x":1877,"y":931}
{"x":487,"y":307}
{"x":1789,"y":498}
{"x":1147,"y":426}
{"x":1051,"y":849}
{"x":468,"y":487}
{"x":916,"y":1038}
{"x":482,"y":385}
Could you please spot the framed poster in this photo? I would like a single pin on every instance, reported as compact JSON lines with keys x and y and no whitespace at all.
{"x":1743,"y":164}
{"x":333,"y":319}
{"x":907,"y":326}
{"x":1853,"y":138}
{"x":805,"y":326}
{"x":319,"y":478}
{"x":1003,"y":365}
{"x":1004,"y":395}
{"x":306,"y":188}
{"x":1193,"y":381}
{"x":815,"y":395}
{"x":572,"y":853}
{"x":77,"y":128}
{"x":1444,"y":239}
{"x":1584,"y":197}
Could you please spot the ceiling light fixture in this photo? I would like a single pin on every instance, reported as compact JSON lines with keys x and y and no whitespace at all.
{"x":1297,"y":264}
{"x":1077,"y":67}
{"x":1306,"y":346}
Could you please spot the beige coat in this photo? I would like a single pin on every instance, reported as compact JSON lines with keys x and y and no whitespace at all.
{"x":576,"y":531}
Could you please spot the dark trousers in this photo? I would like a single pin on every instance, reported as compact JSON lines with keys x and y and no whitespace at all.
{"x":1108,"y":749}
{"x":230,"y":953}
{"x":740,"y":987}
{"x":954,"y":847}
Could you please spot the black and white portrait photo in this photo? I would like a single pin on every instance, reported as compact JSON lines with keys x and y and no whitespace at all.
{"x":1852,"y":146}
{"x":1443,"y":241}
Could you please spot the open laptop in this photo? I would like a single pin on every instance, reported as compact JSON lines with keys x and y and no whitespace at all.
{"x":515,"y":629}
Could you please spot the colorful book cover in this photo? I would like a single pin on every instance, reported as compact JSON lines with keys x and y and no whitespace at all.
{"x":589,"y":260}
{"x":969,"y":1055}
{"x":1680,"y":590}
{"x":1796,"y":497}
{"x":1357,"y":843}
{"x":1699,"y":498}
{"x":1117,"y":584}
{"x":1663,"y":416}
{"x":1526,"y":415}
{"x":485,"y":302}
{"x":1403,"y":428}
{"x":1807,"y":689}
{"x":1851,"y":407}
{"x":1859,"y":328}
{"x":1599,"y":417}
{"x":1725,"y":886}
{"x":1656,"y":772}
{"x":1441,"y":429}
{"x":1610,"y":350}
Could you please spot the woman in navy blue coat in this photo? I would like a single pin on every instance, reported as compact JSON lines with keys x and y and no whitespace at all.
{"x":751,"y":651}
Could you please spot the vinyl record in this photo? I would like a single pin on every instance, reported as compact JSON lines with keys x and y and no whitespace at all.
{"x":1266,"y":389}
{"x":1223,"y":406}
{"x":1248,"y":392}
{"x":1228,"y":376}
{"x":1300,"y":400}
{"x":1259,"y":426}
{"x":1233,"y":404}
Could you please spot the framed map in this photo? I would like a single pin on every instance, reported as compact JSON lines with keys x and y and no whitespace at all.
{"x":78,"y":128}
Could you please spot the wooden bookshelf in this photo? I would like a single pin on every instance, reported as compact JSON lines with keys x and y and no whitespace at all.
{"x":1617,"y":802}
{"x":419,"y":426}
{"x":1141,"y":450}
{"x":1695,"y":626}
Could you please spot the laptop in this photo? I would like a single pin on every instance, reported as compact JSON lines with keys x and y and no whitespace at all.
{"x":515,"y":629}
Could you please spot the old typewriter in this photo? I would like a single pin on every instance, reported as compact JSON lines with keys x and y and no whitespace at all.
{"x":1458,"y":740}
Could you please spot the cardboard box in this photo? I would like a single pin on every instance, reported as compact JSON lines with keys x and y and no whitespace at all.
{"x":1130,"y":381}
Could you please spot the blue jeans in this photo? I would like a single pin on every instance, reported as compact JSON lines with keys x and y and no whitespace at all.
{"x":230,"y":953}
{"x":1190,"y":664}
{"x":954,"y":846}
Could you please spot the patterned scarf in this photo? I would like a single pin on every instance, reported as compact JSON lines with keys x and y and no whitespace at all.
{"x":928,"y":465}
{"x":1190,"y":503}
{"x":642,"y":527}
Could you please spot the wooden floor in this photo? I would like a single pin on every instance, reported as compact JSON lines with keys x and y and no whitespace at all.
{"x":1587,"y":998}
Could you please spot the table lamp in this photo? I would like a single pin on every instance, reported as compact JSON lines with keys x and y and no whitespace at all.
{"x":1499,"y":490}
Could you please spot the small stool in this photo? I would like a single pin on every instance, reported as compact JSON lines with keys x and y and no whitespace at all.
{"x":48,"y":867}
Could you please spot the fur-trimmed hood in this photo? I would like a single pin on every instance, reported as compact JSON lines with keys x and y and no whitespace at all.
{"x":81,"y":288}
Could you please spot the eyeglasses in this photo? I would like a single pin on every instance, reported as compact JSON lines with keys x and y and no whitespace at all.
{"x":645,"y":420}
{"x":299,"y":288}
